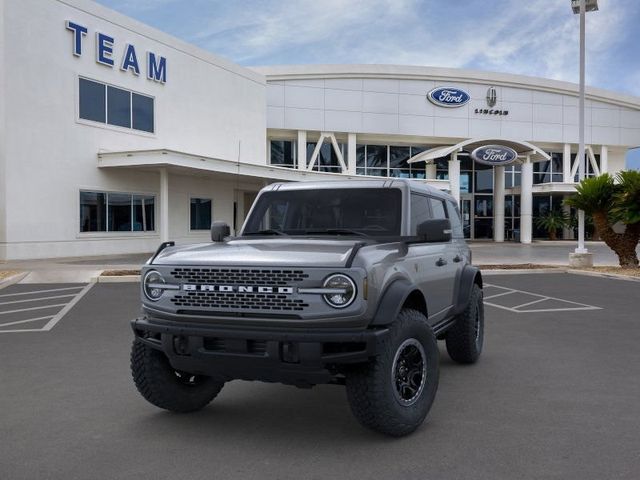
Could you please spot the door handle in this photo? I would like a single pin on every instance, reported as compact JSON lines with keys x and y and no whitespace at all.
{"x":441,"y":262}
{"x":457,"y":258}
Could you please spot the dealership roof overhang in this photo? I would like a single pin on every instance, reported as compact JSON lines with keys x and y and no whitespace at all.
{"x":524,"y":149}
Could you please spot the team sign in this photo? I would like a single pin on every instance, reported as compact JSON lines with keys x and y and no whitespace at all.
{"x":156,"y":65}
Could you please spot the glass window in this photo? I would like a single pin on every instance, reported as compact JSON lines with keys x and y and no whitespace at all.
{"x":283,"y":153}
{"x":454,"y":217}
{"x":360,"y":156}
{"x":144,"y":213}
{"x":465,"y":182}
{"x":377,"y":156}
{"x":372,"y":211}
{"x":437,"y":208}
{"x":327,"y":160}
{"x":201,"y":213}
{"x":93,"y":212}
{"x":483,"y":178}
{"x":119,"y":212}
{"x":483,"y":205}
{"x":118,"y":107}
{"x":142,"y":113}
{"x":115,"y":106}
{"x":92,"y":101}
{"x":419,"y":211}
{"x":398,"y":166}
{"x":116,"y":212}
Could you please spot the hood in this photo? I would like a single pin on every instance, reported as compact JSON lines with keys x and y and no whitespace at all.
{"x":261,"y":252}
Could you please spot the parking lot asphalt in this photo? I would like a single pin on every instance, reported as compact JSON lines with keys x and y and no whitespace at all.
{"x":555,"y":395}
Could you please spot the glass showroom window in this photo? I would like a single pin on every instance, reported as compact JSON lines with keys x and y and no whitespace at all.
{"x":389,"y":161}
{"x":589,"y":171}
{"x":548,"y":171}
{"x":283,"y":153}
{"x":327,"y":158}
{"x":201,"y":213}
{"x":107,"y":104}
{"x":116,"y":212}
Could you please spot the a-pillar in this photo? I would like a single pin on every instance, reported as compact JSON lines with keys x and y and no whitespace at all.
{"x":498,"y":204}
{"x":526,"y":202}
{"x":164,"y":205}
{"x":454,"y":177}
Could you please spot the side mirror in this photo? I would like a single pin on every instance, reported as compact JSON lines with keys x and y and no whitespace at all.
{"x":219,"y":230}
{"x":434,"y":230}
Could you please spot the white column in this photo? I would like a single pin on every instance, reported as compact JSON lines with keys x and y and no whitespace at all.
{"x":431,"y":171}
{"x":302,"y":150}
{"x":351,"y":153}
{"x":454,"y":176}
{"x":498,"y":204}
{"x":567,"y":231}
{"x":566,"y":164}
{"x":164,"y":205}
{"x":604,"y":159}
{"x":526,"y":202}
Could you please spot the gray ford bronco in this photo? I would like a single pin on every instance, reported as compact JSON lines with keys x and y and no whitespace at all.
{"x":343,"y":282}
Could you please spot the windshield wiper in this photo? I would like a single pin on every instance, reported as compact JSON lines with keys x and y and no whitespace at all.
{"x":336,"y":231}
{"x":268,"y":231}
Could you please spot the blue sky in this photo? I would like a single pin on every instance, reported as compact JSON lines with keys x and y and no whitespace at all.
{"x":530,"y":37}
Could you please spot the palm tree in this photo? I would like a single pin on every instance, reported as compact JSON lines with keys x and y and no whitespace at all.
{"x":610,"y":202}
{"x":552,"y":221}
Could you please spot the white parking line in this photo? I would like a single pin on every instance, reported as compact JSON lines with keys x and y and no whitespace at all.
{"x":540,"y":298}
{"x":38,"y":299}
{"x":33,"y":308}
{"x":53,"y":319}
{"x":41,"y":291}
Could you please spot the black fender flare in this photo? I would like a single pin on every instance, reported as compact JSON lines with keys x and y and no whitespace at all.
{"x":468,"y":277}
{"x":392,"y":300}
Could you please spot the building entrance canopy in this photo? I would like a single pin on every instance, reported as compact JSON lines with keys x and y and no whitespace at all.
{"x":523,"y":149}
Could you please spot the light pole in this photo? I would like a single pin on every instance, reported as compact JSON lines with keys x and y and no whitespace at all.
{"x":580,"y":7}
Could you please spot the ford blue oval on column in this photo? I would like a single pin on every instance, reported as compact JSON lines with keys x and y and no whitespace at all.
{"x":494,"y":155}
{"x":448,"y":96}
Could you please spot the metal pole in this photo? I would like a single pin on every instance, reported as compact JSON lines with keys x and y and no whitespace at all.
{"x":581,"y":159}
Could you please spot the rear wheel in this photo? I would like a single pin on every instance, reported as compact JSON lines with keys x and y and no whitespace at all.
{"x":466,"y":337}
{"x":165,"y":387}
{"x":393,"y":393}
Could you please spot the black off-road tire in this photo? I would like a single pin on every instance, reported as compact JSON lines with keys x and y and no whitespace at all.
{"x":163,"y":386}
{"x":465,"y":338}
{"x":372,"y":389}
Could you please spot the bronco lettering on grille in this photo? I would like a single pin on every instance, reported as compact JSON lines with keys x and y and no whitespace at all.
{"x":236,"y":289}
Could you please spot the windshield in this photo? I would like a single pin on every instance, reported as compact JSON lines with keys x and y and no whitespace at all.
{"x":358,"y":211}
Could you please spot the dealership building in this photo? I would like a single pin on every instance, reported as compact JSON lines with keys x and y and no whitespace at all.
{"x":115,"y":136}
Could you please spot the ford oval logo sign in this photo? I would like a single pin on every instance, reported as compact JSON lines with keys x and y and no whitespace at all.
{"x":494,"y":155}
{"x":448,"y":97}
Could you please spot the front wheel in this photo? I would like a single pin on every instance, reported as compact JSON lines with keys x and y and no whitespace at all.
{"x":465,"y":338}
{"x":393,"y":393}
{"x":165,"y":387}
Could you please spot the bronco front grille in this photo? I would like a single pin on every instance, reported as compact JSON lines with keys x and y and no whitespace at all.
{"x":238,"y":301}
{"x":244,"y":276}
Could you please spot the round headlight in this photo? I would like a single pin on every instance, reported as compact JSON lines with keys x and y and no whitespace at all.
{"x":344,"y":291}
{"x":152,"y":285}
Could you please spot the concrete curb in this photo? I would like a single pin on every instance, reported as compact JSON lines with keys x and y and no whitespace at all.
{"x":522,"y":271}
{"x":572,"y":271}
{"x":117,"y":279}
{"x":12,"y":279}
{"x":614,"y":276}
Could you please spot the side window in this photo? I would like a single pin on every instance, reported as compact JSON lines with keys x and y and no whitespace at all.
{"x":456,"y":225}
{"x":437,"y":207}
{"x":419,"y":211}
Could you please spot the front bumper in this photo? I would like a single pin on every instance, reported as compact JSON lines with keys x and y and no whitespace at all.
{"x":305,"y":357}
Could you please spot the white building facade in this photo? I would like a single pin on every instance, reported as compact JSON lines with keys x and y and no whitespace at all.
{"x":115,"y":136}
